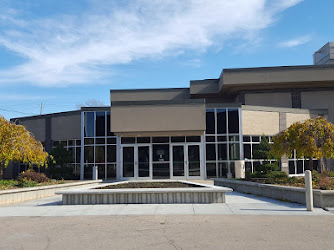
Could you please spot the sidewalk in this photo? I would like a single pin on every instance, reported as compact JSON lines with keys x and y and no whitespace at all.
{"x":237,"y":203}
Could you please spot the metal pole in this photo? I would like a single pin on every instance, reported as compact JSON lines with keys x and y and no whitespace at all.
{"x":309,"y":191}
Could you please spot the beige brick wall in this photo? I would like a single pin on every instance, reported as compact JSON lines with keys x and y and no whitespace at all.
{"x":260,"y":122}
{"x":292,"y":118}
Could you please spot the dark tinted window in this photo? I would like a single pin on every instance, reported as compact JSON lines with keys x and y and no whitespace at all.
{"x":210,"y":152}
{"x":111,"y":153}
{"x":233,"y":121}
{"x":222,"y":151}
{"x":221,"y":121}
{"x":210,"y":121}
{"x":100,"y":124}
{"x":89,"y":124}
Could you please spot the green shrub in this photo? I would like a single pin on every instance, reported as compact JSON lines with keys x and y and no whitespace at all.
{"x":277,"y":175}
{"x":8,"y":184}
{"x":27,"y":183}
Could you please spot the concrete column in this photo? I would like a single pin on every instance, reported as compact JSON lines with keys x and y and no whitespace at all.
{"x":239,"y":169}
{"x":309,"y":191}
{"x":95,"y":173}
{"x":285,"y":164}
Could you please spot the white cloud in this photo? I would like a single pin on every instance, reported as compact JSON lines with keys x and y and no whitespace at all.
{"x":65,"y":50}
{"x":296,"y":41}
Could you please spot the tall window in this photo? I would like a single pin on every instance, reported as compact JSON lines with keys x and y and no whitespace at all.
{"x":222,"y":141}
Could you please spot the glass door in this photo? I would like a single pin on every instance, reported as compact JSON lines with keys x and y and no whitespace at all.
{"x":194,"y":160}
{"x":143,"y":166}
{"x":128,"y":158}
{"x":178,"y":162}
{"x":136,"y":161}
{"x":186,"y":161}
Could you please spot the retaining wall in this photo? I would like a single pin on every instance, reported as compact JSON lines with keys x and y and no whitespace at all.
{"x":321,"y":198}
{"x":25,"y":194}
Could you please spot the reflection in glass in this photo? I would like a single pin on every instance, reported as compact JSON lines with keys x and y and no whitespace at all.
{"x":100,"y":124}
{"x":111,"y":171}
{"x":221,"y":121}
{"x":144,"y":161}
{"x":161,"y":171}
{"x":222,"y":169}
{"x":128,"y":162}
{"x":210,"y":121}
{"x":194,"y":166}
{"x":211,"y":170}
{"x":100,"y":154}
{"x":101,"y":171}
{"x":222,"y":151}
{"x":111,"y":153}
{"x":89,"y":124}
{"x":233,"y":122}
{"x":234,"y":151}
{"x":210,"y":152}
{"x":89,"y":154}
{"x":78,"y":155}
{"x":178,"y":161}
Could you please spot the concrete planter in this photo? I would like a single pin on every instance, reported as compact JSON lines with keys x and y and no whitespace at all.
{"x":321,"y":198}
{"x":24,"y":194}
{"x":203,"y":194}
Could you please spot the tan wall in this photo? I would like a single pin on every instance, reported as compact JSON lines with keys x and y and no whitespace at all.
{"x":269,"y":99}
{"x":317,"y":99}
{"x":149,"y":95}
{"x":158,"y":118}
{"x":281,"y":75}
{"x":292,"y":118}
{"x":66,"y":127}
{"x":36,"y":127}
{"x":260,"y":122}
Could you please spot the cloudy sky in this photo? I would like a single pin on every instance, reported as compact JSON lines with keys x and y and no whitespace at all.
{"x":62,"y":53}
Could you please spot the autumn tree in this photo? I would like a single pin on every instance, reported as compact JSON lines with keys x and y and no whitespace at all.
{"x":313,"y":138}
{"x":18,"y":144}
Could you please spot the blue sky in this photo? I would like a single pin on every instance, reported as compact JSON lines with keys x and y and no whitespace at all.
{"x":62,"y":53}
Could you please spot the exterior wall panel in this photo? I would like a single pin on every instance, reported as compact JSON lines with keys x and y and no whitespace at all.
{"x":36,"y":127}
{"x":155,"y":119}
{"x":260,"y":122}
{"x":66,"y":127}
{"x":269,"y":99}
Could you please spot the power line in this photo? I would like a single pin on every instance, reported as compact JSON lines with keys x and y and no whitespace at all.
{"x":11,"y":110}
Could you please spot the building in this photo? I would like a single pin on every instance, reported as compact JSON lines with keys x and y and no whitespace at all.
{"x":207,"y":130}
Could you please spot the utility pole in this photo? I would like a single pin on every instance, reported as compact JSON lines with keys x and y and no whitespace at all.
{"x":41,"y":108}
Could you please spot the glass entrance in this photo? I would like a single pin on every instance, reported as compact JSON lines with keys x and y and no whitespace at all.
{"x":194,"y":161}
{"x":128,"y":161}
{"x":186,"y":161}
{"x":143,"y":161}
{"x":136,"y":161}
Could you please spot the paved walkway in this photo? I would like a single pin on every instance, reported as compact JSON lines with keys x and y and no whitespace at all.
{"x":237,"y":203}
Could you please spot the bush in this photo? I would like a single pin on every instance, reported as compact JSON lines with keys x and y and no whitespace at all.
{"x":31,"y":175}
{"x":7,"y":184}
{"x":277,"y":175}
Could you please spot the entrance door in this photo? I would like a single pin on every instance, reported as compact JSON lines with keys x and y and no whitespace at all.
{"x":136,"y":162}
{"x":186,"y":161}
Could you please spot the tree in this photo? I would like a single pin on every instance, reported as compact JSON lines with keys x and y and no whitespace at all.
{"x":313,"y":138}
{"x":19,"y":145}
{"x":59,"y":167}
{"x":262,"y":152}
{"x":91,"y":103}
